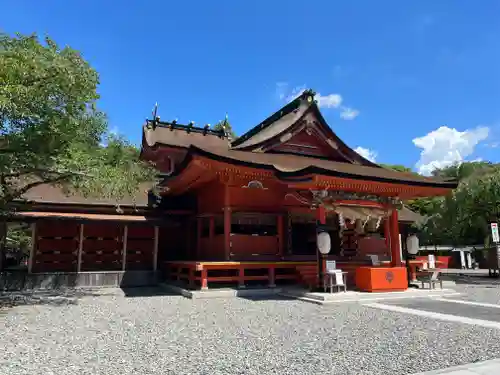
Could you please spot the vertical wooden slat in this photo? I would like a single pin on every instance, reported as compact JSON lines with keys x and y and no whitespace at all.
{"x":80,"y":249}
{"x":155,"y":253}
{"x":124,"y":249}
{"x":33,"y":248}
{"x":279,"y":223}
{"x":199,"y":224}
{"x":227,"y":224}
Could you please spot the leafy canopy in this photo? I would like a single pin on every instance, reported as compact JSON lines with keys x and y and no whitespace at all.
{"x":463,"y":217}
{"x":226,"y":126}
{"x":50,"y":128}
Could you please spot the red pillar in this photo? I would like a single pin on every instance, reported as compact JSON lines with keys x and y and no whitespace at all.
{"x":321,"y":214}
{"x":227,"y":224}
{"x":211,"y":233}
{"x":199,"y":223}
{"x":394,"y":231}
{"x":321,"y":218}
{"x":280,"y":234}
{"x":387,"y":233}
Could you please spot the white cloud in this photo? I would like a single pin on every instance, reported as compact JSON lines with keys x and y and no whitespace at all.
{"x":281,"y":89}
{"x":447,"y":146}
{"x":334,"y":100}
{"x":349,"y":113}
{"x":366,"y":153}
{"x":329,"y":101}
{"x":294,"y":92}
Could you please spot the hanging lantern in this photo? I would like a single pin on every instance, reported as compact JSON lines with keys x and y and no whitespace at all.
{"x":412,"y":244}
{"x":323,"y":242}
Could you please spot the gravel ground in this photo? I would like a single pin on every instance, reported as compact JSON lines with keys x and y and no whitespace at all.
{"x":114,"y":334}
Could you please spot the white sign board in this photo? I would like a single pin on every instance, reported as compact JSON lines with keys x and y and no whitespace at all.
{"x":339,"y":279}
{"x":432,"y":261}
{"x":331,"y":266}
{"x":494,"y":232}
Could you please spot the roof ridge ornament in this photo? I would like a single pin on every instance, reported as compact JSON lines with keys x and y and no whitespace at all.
{"x":308,"y":95}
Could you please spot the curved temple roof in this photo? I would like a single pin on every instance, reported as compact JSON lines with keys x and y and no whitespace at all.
{"x":254,"y":148}
{"x":297,"y":165}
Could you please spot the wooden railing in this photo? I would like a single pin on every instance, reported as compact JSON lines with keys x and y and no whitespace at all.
{"x":200,"y":274}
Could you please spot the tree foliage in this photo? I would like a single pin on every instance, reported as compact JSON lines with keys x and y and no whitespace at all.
{"x":51,"y":131}
{"x":397,"y":167}
{"x":463,"y":217}
{"x":225,"y":125}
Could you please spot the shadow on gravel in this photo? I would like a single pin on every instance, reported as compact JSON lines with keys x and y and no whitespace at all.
{"x":268,"y":297}
{"x":53,"y":297}
{"x":481,"y":280}
{"x":149,"y":291}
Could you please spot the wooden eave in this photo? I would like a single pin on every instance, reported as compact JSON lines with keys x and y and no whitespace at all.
{"x":192,"y":175}
{"x":201,"y":166}
{"x":389,"y":189}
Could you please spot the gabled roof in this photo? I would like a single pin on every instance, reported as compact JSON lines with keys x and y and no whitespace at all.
{"x":178,"y":135}
{"x":247,"y":149}
{"x":290,"y":117}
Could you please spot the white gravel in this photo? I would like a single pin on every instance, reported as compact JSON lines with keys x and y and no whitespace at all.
{"x":113,"y":334}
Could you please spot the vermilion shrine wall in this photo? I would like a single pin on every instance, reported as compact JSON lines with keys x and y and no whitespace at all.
{"x":58,"y":245}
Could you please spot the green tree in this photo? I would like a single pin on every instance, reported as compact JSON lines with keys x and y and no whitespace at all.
{"x":226,"y":126}
{"x":463,"y":217}
{"x":50,"y":129}
{"x":397,"y":167}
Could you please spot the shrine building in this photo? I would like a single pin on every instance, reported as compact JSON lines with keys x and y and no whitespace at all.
{"x":238,"y":212}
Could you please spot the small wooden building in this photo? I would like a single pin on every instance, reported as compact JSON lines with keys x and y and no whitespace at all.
{"x":241,"y":211}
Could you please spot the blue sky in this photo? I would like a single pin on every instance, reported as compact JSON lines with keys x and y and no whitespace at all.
{"x":418,"y":81}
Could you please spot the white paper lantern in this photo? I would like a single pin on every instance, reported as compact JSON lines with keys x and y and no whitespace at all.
{"x":323,"y":242}
{"x":412,"y":244}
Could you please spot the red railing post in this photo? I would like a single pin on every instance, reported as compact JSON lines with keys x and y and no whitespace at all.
{"x":204,"y":281}
{"x":241,"y":277}
{"x":272,"y":277}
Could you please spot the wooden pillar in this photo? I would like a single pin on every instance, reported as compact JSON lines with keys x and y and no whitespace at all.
{"x":211,"y":228}
{"x":80,"y":249}
{"x":124,"y":248}
{"x":280,"y":234}
{"x":155,"y":250}
{"x":387,"y":233}
{"x":394,"y":235}
{"x":321,"y":219}
{"x":241,"y":277}
{"x":199,"y":224}
{"x":188,"y":235}
{"x":272,"y":276}
{"x":204,"y":281}
{"x":227,"y":224}
{"x":321,"y":214}
{"x":33,"y":248}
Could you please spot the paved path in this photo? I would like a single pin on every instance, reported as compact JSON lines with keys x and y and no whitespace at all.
{"x":458,"y":271}
{"x":481,"y":368}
